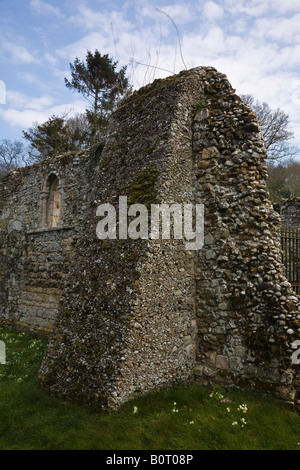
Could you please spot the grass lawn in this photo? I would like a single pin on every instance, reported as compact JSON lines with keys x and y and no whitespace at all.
{"x":178,"y":418}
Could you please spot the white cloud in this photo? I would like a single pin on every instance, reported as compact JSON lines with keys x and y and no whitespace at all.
{"x":22,"y":118}
{"x":51,"y":60}
{"x":29,"y":77}
{"x":109,"y":32}
{"x":100,"y":21}
{"x":87,"y":18}
{"x":252,"y":8}
{"x":39,"y":112}
{"x":20,"y":100}
{"x":22,"y":110}
{"x":212,"y":11}
{"x":285,"y":7}
{"x":92,"y":41}
{"x":43,"y":8}
{"x":279,"y":29}
{"x":259,"y":8}
{"x":179,"y":13}
{"x":148,"y":37}
{"x":18,"y":53}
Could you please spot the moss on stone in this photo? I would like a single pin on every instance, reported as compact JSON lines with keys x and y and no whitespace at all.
{"x":142,"y":189}
{"x":106,"y":246}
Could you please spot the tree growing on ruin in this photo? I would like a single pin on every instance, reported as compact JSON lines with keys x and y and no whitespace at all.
{"x":98,"y":80}
{"x":275,"y":128}
{"x":56,"y":136}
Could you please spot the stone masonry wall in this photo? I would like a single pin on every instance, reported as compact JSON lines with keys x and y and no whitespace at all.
{"x":139,"y":314}
{"x":127,"y":319}
{"x":247,"y":313}
{"x":34,"y":258}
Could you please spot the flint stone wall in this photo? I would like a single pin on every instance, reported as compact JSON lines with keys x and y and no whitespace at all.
{"x":135,"y":315}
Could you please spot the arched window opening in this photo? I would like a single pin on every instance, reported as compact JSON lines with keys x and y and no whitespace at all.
{"x":53,"y":204}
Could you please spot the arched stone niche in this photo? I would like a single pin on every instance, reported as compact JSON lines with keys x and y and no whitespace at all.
{"x":52,"y":202}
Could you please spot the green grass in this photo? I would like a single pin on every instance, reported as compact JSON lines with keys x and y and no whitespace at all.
{"x":179,"y":418}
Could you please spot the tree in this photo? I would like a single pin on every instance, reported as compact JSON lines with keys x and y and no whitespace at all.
{"x":12,"y":155}
{"x":99,"y":82}
{"x":283,"y":179}
{"x":56,"y":136}
{"x":103,"y":86}
{"x":47,"y":139}
{"x":275,"y":129}
{"x":78,"y":130}
{"x":293,"y":178}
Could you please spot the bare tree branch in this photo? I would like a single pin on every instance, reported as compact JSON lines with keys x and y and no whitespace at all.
{"x":275,"y":129}
{"x":12,"y":155}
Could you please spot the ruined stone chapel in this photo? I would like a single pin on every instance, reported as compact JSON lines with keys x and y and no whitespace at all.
{"x":126,"y":316}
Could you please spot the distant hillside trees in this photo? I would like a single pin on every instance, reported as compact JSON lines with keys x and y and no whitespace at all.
{"x":284,"y":179}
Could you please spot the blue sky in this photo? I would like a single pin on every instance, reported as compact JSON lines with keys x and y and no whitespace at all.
{"x":256,"y":43}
